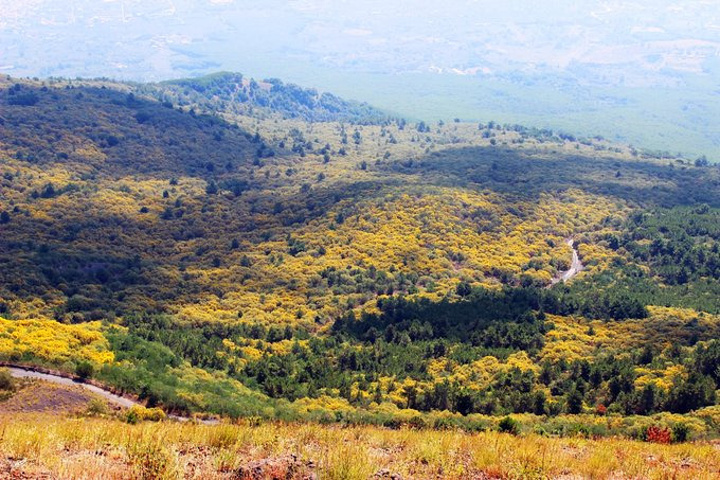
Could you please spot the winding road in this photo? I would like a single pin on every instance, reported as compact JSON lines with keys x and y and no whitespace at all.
{"x":575,"y":267}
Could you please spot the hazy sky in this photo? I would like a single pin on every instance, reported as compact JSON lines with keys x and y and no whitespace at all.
{"x":644,"y":72}
{"x":160,"y":38}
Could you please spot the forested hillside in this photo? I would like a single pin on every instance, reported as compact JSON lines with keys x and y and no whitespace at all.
{"x":254,"y":248}
{"x":232,"y":93}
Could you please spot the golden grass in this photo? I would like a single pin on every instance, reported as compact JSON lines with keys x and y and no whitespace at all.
{"x":76,"y":448}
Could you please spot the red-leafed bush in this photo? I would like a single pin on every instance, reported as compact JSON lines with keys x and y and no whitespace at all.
{"x":658,"y":434}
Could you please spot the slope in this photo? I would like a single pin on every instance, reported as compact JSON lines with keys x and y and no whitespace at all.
{"x":220,"y":241}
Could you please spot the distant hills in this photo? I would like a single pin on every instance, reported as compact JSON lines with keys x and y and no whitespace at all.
{"x":232,"y":93}
{"x":635,"y":73}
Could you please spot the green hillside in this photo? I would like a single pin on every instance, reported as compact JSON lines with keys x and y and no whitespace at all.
{"x":253,"y":248}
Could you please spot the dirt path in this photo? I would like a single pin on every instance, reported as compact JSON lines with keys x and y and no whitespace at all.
{"x":49,"y":397}
{"x":28,"y":372}
{"x":575,"y":267}
{"x":111,"y":397}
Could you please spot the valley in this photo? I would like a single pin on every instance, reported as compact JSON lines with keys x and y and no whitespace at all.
{"x":289,"y":263}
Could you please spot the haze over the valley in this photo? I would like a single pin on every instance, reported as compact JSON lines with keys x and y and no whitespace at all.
{"x":640,"y":72}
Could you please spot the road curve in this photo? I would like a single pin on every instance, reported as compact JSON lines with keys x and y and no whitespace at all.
{"x":575,"y":267}
{"x":125,"y":402}
{"x":18,"y":372}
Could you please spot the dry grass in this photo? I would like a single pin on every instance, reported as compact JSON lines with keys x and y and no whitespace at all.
{"x":75,"y":448}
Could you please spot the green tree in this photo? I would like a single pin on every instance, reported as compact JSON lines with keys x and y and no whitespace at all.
{"x":211,"y":188}
{"x":574,"y":401}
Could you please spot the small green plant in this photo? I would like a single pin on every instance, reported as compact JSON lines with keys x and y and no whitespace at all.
{"x":7,"y":382}
{"x":680,"y":432}
{"x":97,"y":407}
{"x":84,"y":369}
{"x":508,"y":425}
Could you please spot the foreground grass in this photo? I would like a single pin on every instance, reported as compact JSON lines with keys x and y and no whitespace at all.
{"x":61,"y":447}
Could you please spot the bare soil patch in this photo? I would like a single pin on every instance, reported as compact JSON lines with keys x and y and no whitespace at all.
{"x":45,"y":397}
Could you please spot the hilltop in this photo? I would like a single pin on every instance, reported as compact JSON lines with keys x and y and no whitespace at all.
{"x":232,"y":93}
{"x":251,"y":248}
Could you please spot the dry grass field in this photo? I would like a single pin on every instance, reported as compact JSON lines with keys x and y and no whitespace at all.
{"x":41,"y":446}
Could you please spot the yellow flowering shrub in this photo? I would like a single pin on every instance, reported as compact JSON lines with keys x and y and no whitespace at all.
{"x":53,"y":342}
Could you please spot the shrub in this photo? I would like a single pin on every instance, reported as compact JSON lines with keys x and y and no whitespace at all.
{"x":392,"y":423}
{"x":417,"y":422}
{"x":24,"y":99}
{"x":142,"y":117}
{"x":508,"y":425}
{"x":680,"y":432}
{"x":223,"y":437}
{"x":444,"y":423}
{"x":658,"y":434}
{"x":138,"y":413}
{"x":97,"y":407}
{"x":84,"y":369}
{"x":151,"y":460}
{"x":6,"y":380}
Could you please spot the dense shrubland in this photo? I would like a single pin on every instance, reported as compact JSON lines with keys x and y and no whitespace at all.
{"x":354,"y":267}
{"x":430,"y":356}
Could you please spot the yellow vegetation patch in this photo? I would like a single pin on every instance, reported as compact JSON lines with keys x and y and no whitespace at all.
{"x":323,"y":403}
{"x":661,"y":378}
{"x":576,"y":338}
{"x":53,"y":342}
